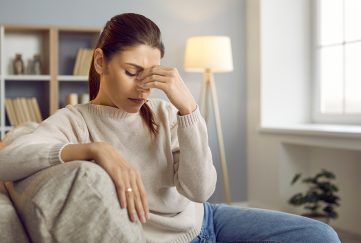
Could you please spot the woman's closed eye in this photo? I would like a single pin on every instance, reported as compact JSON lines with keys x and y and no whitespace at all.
{"x":130,"y":74}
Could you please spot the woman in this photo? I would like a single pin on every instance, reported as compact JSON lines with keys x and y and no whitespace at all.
{"x":155,"y":152}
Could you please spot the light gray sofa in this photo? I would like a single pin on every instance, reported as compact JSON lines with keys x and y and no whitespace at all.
{"x":11,"y":228}
{"x":70,"y":202}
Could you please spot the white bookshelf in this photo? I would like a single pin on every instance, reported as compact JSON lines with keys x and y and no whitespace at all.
{"x":57,"y":47}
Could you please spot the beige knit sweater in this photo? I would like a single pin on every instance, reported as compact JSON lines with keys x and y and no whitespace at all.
{"x":176,"y":168}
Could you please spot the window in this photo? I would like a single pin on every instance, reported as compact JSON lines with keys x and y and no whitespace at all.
{"x":338,"y":61}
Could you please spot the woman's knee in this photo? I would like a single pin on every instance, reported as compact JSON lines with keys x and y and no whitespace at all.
{"x":317,"y":231}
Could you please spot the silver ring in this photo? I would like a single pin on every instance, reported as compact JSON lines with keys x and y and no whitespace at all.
{"x":129,"y":189}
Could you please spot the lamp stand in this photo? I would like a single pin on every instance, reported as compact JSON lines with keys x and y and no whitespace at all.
{"x":208,"y":82}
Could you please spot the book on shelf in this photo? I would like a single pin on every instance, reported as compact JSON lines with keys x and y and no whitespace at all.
{"x":9,"y":108}
{"x":21,"y":109}
{"x":83,"y":61}
{"x":31,"y":110}
{"x":26,"y":109}
{"x":36,"y":109}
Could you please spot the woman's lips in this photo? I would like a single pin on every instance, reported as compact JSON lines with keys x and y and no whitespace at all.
{"x":137,"y":101}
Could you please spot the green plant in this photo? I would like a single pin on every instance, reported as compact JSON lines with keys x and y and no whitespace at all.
{"x":320,"y":199}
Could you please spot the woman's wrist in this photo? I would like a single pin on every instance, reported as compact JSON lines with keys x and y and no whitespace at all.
{"x":93,"y":150}
{"x":188,"y":110}
{"x":78,"y":152}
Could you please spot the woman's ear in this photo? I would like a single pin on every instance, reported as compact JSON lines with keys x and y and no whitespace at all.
{"x":99,"y":61}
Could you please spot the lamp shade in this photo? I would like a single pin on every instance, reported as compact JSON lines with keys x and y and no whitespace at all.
{"x":208,"y":52}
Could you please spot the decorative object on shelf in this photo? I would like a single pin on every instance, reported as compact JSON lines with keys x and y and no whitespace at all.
{"x":209,"y":54}
{"x":71,"y":99}
{"x":84,"y":98}
{"x":36,"y":65}
{"x":320,"y":199}
{"x":18,"y":64}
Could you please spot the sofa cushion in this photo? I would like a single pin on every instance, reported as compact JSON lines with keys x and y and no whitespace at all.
{"x":73,"y":202}
{"x":11,"y":229}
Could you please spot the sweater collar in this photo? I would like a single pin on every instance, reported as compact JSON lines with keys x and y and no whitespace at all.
{"x":110,"y":111}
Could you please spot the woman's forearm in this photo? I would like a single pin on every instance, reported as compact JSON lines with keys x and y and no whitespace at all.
{"x":77,"y":152}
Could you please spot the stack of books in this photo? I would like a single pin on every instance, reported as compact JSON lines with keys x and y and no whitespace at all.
{"x":83,"y":61}
{"x":20,"y":110}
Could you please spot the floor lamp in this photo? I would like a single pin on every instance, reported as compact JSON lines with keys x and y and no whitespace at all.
{"x":210,"y":54}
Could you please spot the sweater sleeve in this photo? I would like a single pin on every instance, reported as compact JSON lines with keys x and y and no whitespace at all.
{"x":194,"y":173}
{"x":41,"y":148}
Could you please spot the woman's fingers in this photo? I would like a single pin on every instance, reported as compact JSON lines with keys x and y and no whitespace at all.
{"x":159,"y":70}
{"x":127,"y":181}
{"x":121,"y":194}
{"x":159,"y":77}
{"x":130,"y":202}
{"x":143,"y":197}
{"x":137,"y":199}
{"x":155,"y":81}
{"x":133,"y":195}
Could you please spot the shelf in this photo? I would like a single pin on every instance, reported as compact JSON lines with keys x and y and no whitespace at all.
{"x":8,"y":128}
{"x":70,"y":78}
{"x":27,"y":77}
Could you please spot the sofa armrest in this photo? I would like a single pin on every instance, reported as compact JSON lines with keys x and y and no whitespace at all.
{"x":73,"y":202}
{"x":11,"y":229}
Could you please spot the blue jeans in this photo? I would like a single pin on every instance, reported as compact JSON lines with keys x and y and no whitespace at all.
{"x":223,"y":223}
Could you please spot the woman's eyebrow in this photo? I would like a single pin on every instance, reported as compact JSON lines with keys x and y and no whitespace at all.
{"x":135,"y":65}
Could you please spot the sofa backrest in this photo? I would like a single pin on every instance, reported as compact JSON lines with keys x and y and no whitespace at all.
{"x":11,"y":229}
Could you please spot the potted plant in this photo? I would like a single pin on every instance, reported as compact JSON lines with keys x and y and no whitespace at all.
{"x":320,"y":199}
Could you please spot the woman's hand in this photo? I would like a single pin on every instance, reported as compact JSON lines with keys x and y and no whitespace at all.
{"x":169,"y":80}
{"x":127,"y":180}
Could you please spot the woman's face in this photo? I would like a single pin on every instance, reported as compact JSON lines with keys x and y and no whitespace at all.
{"x":118,"y":80}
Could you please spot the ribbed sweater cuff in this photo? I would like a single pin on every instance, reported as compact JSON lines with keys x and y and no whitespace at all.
{"x":190,"y":119}
{"x":54,"y":154}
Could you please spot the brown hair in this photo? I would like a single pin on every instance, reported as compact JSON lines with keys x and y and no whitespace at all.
{"x":120,"y":32}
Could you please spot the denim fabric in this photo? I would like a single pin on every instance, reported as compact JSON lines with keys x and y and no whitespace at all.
{"x":229,"y":224}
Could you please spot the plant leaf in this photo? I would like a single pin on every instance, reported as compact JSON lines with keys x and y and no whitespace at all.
{"x":328,"y":174}
{"x":295,"y":178}
{"x":297,"y":199}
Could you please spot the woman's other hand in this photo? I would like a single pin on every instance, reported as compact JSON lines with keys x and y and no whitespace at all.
{"x":127,"y":180}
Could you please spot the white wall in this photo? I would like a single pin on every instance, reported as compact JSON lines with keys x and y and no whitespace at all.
{"x":178,"y":20}
{"x":278,"y":93}
{"x":285,"y":60}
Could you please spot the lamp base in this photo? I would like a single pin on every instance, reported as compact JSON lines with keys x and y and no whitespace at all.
{"x":208,"y":83}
